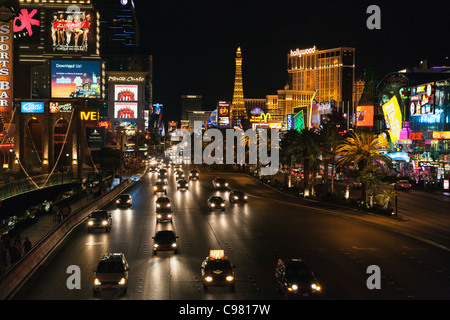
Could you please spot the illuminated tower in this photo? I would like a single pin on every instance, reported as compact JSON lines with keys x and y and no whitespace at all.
{"x":238,"y":105}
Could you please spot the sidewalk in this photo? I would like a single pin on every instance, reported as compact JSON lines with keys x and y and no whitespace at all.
{"x":45,"y":223}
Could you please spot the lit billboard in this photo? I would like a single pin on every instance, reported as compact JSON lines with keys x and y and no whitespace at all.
{"x":32,"y":107}
{"x":364,"y":116}
{"x":6,"y":68}
{"x":125,"y":92}
{"x":393,"y":117}
{"x":223,"y":114}
{"x":125,"y":110}
{"x":75,"y":79}
{"x":71,"y":32}
{"x":422,"y":99}
{"x":27,"y":26}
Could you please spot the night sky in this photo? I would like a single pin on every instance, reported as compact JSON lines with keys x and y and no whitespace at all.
{"x":193,"y":43}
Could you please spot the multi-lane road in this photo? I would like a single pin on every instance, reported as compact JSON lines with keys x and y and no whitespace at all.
{"x":339,"y":248}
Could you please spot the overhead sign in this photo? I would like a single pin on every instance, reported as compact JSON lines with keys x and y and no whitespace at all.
{"x":63,"y":107}
{"x":393,"y":117}
{"x":90,"y":115}
{"x":32,"y":107}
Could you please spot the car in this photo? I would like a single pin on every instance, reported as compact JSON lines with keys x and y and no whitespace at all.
{"x":153,"y":169}
{"x":217,"y":270}
{"x":165,"y":240}
{"x":177,"y":166}
{"x":159,"y":187}
{"x":402,"y":185}
{"x":238,"y":196}
{"x":193,"y":174}
{"x":111,"y":273}
{"x":182,"y":184}
{"x":163,"y":181}
{"x":124,"y":200}
{"x":220,"y":183}
{"x":357,"y":184}
{"x":162,"y":172}
{"x":179,"y":174}
{"x":164,"y":216}
{"x":99,"y":219}
{"x":163,"y":204}
{"x":295,"y":278}
{"x":216,"y":202}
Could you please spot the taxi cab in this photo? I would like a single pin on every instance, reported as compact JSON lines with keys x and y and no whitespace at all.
{"x":217,"y":270}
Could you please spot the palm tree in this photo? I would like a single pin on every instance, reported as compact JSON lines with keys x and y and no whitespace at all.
{"x":387,"y":197}
{"x":361,"y":151}
{"x":305,"y":147}
{"x":330,"y":138}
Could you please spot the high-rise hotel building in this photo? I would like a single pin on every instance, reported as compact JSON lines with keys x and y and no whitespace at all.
{"x":316,"y":76}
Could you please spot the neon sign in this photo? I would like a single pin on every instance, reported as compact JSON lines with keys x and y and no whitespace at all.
{"x":299,"y":53}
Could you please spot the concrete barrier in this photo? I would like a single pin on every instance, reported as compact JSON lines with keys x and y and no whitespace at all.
{"x":17,"y":275}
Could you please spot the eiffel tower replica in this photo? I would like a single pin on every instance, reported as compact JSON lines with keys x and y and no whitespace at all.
{"x":238,"y":111}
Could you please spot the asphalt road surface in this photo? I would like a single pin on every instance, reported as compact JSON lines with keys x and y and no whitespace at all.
{"x":254,"y":235}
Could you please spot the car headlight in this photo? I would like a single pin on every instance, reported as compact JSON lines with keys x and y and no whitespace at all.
{"x":169,"y":216}
{"x":90,"y":223}
{"x":158,"y":216}
{"x":155,"y":245}
{"x":226,"y":184}
{"x":117,"y":201}
{"x":174,"y":245}
{"x":294,"y":287}
{"x":222,"y":204}
{"x":236,"y":197}
{"x":104,"y":222}
{"x":128,"y":201}
{"x":164,"y":187}
{"x":155,"y":188}
{"x":213,"y":205}
{"x":208,"y":279}
{"x":229,"y":278}
{"x":122,"y":281}
{"x":97,"y":282}
{"x":168,"y":204}
{"x":158,"y":205}
{"x":245,"y":197}
{"x":316,"y":287}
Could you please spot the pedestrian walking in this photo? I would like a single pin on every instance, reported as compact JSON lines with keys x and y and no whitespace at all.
{"x":27,"y":245}
{"x":19,"y":247}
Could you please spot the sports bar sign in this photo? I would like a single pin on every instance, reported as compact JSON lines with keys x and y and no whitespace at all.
{"x":6,"y":57}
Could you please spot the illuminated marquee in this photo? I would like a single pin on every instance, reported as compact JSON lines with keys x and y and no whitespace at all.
{"x":299,"y":53}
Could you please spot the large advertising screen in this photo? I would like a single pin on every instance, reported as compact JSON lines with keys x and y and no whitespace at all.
{"x":76,"y":79}
{"x":422,"y":99}
{"x":125,"y":92}
{"x":71,"y":31}
{"x":364,"y":116}
{"x":125,"y":110}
